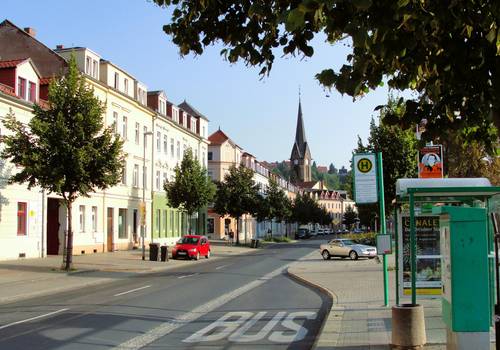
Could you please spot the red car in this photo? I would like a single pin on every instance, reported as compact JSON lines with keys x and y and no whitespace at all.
{"x":191,"y":247}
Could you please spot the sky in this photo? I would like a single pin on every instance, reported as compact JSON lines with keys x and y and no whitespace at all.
{"x":259,"y":114}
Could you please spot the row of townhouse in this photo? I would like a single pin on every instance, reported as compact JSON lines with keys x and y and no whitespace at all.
{"x":156,"y":133}
{"x":223,"y":153}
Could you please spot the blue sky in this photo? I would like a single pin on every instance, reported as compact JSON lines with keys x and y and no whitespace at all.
{"x":258,"y":114}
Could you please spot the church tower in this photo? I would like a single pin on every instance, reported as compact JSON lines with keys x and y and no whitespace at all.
{"x":301,"y":155}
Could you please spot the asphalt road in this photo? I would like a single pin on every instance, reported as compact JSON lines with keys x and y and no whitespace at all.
{"x":242,"y":302}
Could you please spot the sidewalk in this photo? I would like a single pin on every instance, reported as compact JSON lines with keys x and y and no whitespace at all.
{"x":357,"y":319}
{"x":26,"y":278}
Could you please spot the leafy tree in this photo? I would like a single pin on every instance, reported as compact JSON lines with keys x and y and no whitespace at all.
{"x":192,"y":189}
{"x":350,"y":217}
{"x":332,"y":169}
{"x":447,"y":52}
{"x":278,"y":201}
{"x":65,"y":149}
{"x":236,"y":195}
{"x":305,"y":209}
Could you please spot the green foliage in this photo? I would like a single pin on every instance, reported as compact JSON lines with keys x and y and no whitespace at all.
{"x":65,"y":149}
{"x":368,"y":238}
{"x":350,"y":217}
{"x":280,"y":205}
{"x":447,"y":52}
{"x":192,"y":189}
{"x":237,"y":194}
{"x":306,"y":210}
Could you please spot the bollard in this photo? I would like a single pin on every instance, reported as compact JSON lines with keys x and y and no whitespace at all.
{"x":408,"y":326}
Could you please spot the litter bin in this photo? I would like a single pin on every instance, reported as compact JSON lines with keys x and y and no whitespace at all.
{"x":153,"y":251}
{"x":164,"y":253}
{"x":254,"y":243}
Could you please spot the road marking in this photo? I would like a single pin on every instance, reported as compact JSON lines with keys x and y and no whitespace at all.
{"x":221,"y":267}
{"x":33,"y":318}
{"x":193,"y":274}
{"x":132,"y":290}
{"x":165,"y":328}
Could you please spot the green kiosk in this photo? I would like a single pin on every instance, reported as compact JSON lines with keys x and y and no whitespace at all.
{"x":464,"y":275}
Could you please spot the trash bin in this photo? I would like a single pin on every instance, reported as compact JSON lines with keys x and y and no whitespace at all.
{"x":164,"y":253}
{"x":153,"y":251}
{"x":254,"y":243}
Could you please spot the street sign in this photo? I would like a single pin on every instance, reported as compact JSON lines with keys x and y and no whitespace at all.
{"x":365,"y":178}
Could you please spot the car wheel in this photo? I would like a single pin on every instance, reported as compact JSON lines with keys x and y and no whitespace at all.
{"x":197,"y":256}
{"x":326,"y":255}
{"x":371,"y":257}
{"x":353,"y":255}
{"x":208,"y":255}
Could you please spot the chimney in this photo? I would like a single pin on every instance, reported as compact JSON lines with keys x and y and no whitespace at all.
{"x":59,"y":47}
{"x":30,"y":31}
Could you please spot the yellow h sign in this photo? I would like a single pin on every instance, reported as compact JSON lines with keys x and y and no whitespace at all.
{"x":364,"y":165}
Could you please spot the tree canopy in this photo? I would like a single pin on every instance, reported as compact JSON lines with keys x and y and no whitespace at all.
{"x":445,"y":51}
{"x":65,"y":149}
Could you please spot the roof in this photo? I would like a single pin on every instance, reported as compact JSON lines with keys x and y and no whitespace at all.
{"x":218,"y":138}
{"x":300,"y":148}
{"x":15,"y":44}
{"x":306,"y":184}
{"x":7,"y":90}
{"x":191,"y":110}
{"x":402,"y":185}
{"x":46,"y":81}
{"x":322,"y":169}
{"x":11,"y":63}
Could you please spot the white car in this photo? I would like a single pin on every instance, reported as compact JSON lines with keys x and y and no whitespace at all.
{"x":346,"y":248}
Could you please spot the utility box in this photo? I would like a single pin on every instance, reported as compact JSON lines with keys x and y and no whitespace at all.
{"x":464,"y":273}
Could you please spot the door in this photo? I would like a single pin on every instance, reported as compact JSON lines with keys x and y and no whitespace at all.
{"x":110,"y":230}
{"x":53,"y":226}
{"x":204,"y":247}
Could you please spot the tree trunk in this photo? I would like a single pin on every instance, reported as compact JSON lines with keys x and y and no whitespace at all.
{"x":69,"y":242}
{"x":238,"y":230}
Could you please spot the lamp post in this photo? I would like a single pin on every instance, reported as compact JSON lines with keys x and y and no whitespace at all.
{"x":143,"y":214}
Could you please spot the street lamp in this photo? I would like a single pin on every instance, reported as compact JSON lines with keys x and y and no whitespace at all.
{"x":143,"y":219}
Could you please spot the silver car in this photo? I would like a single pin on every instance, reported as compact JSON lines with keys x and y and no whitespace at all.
{"x":346,"y":248}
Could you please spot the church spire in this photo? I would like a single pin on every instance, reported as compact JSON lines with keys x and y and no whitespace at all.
{"x":301,"y":155}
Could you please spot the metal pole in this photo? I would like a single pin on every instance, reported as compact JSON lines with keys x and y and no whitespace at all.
{"x":413,"y":251}
{"x":496,"y":234}
{"x":382,"y":231}
{"x":396,"y":236}
{"x":143,"y":216}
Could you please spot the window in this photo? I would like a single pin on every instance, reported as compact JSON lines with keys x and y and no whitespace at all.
{"x":87,"y":65}
{"x":193,"y":125}
{"x":172,"y":147}
{"x":178,"y":149}
{"x":82,"y":218}
{"x":165,"y":177}
{"x":125,"y":85}
{"x":158,"y":180}
{"x":137,"y":127}
{"x":122,"y":223}
{"x":94,"y":69}
{"x":135,"y":176}
{"x":158,"y":141}
{"x":165,"y":144}
{"x":124,"y":128}
{"x":117,"y":81}
{"x":21,"y":87}
{"x":210,"y":225}
{"x":22,"y":218}
{"x":135,"y":221}
{"x":203,"y":131}
{"x":115,"y":121}
{"x":94,"y":219}
{"x":176,"y":115}
{"x":124,"y":174}
{"x":32,"y":92}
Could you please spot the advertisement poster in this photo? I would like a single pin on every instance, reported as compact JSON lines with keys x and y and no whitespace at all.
{"x":430,"y":162}
{"x":428,"y":255}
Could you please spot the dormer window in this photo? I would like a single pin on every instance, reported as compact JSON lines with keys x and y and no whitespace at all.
{"x":88,"y":66}
{"x":94,"y":69}
{"x":117,"y":81}
{"x":32,"y":92}
{"x":21,"y":88}
{"x":125,"y":85}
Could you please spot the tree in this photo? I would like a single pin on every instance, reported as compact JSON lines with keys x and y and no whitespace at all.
{"x":305,"y":209}
{"x":278,"y":202}
{"x":236,"y":195}
{"x":350,"y":217}
{"x":65,"y":149}
{"x":192,"y":189}
{"x":332,"y":169}
{"x":447,"y":52}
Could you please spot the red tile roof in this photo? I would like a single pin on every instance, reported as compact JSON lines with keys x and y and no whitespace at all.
{"x":11,"y":63}
{"x":218,"y":138}
{"x":322,"y":169}
{"x":7,"y":90}
{"x":46,"y":80}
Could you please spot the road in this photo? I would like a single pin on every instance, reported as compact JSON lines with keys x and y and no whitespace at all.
{"x":241,"y":302}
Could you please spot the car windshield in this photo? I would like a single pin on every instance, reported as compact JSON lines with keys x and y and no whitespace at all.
{"x":188,"y":240}
{"x":348,"y":242}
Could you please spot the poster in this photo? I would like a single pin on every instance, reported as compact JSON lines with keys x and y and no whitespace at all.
{"x":430,"y":162}
{"x":428,"y":255}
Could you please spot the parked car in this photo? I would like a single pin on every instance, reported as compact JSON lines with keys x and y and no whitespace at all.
{"x":303,"y":233}
{"x":321,"y":232}
{"x":346,"y":248}
{"x":191,"y":247}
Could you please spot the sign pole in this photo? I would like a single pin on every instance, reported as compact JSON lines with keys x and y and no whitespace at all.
{"x":413,"y":251}
{"x":380,"y":178}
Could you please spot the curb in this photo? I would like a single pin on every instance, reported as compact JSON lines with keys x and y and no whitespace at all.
{"x":334,"y":320}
